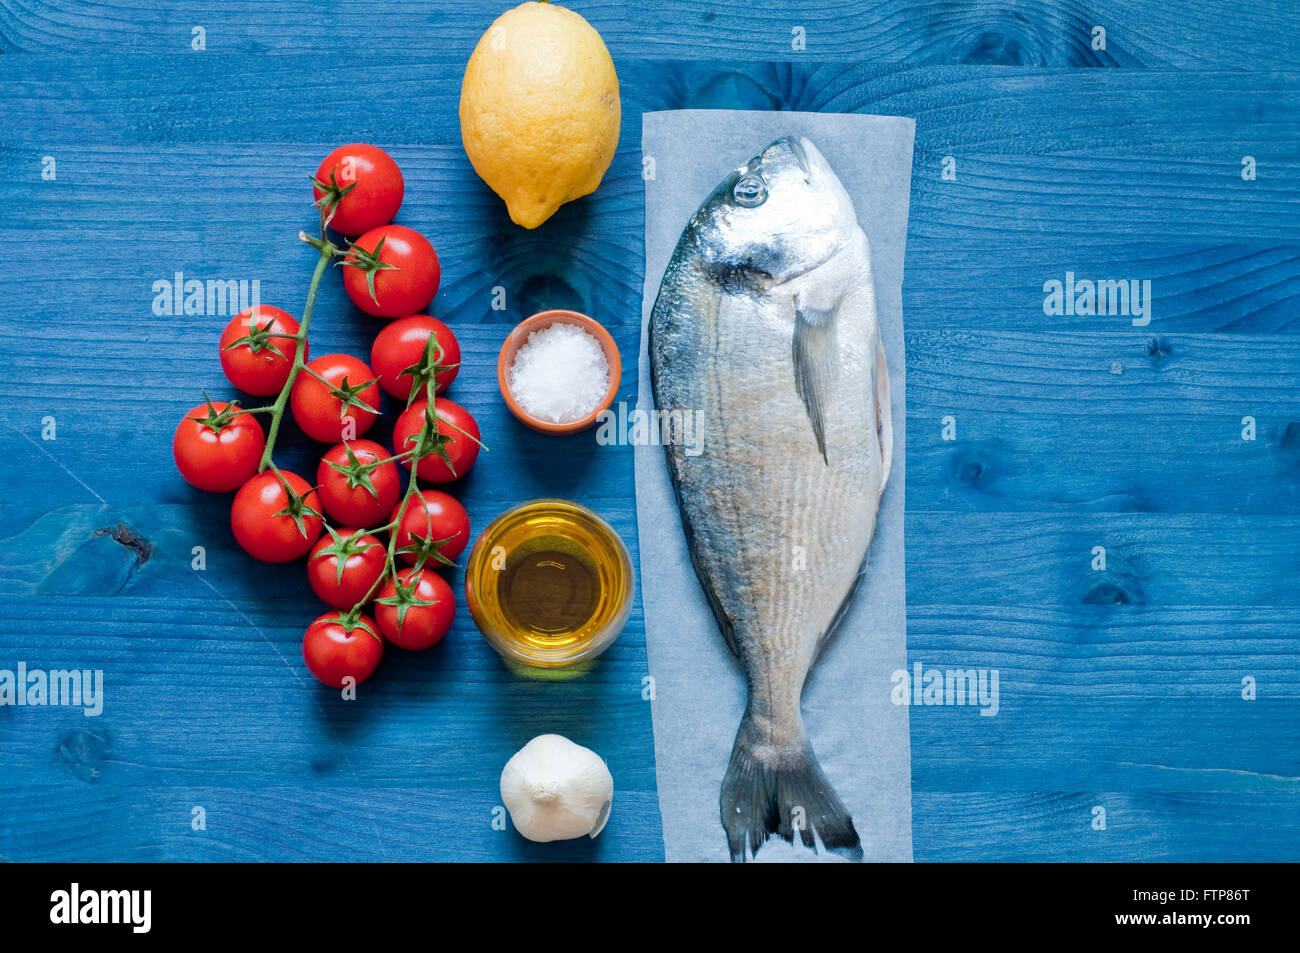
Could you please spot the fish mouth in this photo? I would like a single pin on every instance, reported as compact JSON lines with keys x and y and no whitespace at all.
{"x":800,"y":155}
{"x":797,"y":148}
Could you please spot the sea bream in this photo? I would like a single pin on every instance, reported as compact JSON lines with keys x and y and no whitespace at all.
{"x":765,"y":325}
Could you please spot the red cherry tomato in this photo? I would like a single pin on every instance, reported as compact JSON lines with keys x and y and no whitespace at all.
{"x":271,"y":525}
{"x":335,"y":650}
{"x":376,"y":187}
{"x":344,"y":565}
{"x":323,"y":411}
{"x":401,"y":345}
{"x":255,"y":353}
{"x":217,"y":450}
{"x":431,"y":525}
{"x":408,"y":279}
{"x":415,"y":610}
{"x":360,"y":490}
{"x":457,"y":437}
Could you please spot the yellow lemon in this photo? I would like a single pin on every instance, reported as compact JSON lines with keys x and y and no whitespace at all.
{"x":539,"y":110}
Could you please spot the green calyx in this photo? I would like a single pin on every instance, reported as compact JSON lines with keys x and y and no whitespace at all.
{"x":350,"y":396}
{"x":369,"y":262}
{"x":346,"y":393}
{"x":297,"y":507}
{"x":356,"y":472}
{"x":424,"y":372}
{"x":351,"y":621}
{"x":404,"y":597}
{"x":258,"y":338}
{"x":430,"y":440}
{"x":331,"y":195}
{"x":343,"y":548}
{"x":425,"y":548}
{"x":216,"y":420}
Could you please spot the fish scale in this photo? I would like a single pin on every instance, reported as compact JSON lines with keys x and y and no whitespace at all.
{"x":765,"y":325}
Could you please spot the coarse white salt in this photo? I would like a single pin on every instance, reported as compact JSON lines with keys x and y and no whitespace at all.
{"x":559,"y":374}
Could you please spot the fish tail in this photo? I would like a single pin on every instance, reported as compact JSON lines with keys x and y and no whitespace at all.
{"x":771,"y":789}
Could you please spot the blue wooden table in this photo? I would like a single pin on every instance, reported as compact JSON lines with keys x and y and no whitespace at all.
{"x":1034,"y":438}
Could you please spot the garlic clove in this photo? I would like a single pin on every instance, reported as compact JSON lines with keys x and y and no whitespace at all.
{"x":557,"y":790}
{"x":602,"y":819}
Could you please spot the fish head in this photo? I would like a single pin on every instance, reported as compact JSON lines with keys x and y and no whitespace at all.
{"x":778,"y":216}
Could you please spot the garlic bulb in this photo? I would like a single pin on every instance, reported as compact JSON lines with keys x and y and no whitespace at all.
{"x":555,"y":789}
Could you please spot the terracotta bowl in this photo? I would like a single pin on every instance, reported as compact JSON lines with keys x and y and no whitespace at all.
{"x":519,"y":336}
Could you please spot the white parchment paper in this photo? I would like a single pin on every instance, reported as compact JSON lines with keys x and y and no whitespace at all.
{"x":860,"y":737}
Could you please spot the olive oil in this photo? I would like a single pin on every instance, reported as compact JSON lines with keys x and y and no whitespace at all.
{"x":549,"y":593}
{"x":549,"y":584}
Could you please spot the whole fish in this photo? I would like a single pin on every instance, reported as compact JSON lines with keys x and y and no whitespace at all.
{"x":765,"y":323}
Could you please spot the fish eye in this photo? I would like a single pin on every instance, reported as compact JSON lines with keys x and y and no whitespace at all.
{"x":750,"y":191}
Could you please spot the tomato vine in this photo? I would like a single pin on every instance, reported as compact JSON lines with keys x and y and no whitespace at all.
{"x":430,"y":440}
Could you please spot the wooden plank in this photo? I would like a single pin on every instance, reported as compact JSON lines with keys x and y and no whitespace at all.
{"x":1055,"y":826}
{"x":246,"y":231}
{"x":1197,"y":283}
{"x":1066,"y":207}
{"x":134,"y":98}
{"x":1119,"y":698}
{"x":1207,"y":33}
{"x":1124,"y":420}
{"x":1074,"y":374}
{"x":85,"y":464}
{"x":1176,"y":462}
{"x":107,"y":823}
{"x":1047,"y":559}
{"x":182,"y":677}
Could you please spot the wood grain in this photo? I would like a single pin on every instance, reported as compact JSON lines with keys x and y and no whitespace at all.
{"x":283,"y":823}
{"x":1088,"y":420}
{"x":1119,"y":115}
{"x":1164,"y":559}
{"x":187,"y":655}
{"x":1120,"y":687}
{"x":1023,"y":33}
{"x":1056,"y":826}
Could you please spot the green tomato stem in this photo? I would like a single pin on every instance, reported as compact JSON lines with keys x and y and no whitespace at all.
{"x":327,"y":252}
{"x":390,"y":560}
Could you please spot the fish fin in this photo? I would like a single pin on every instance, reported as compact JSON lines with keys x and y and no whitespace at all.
{"x":884,"y":414}
{"x":763,"y":793}
{"x":814,"y":365}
